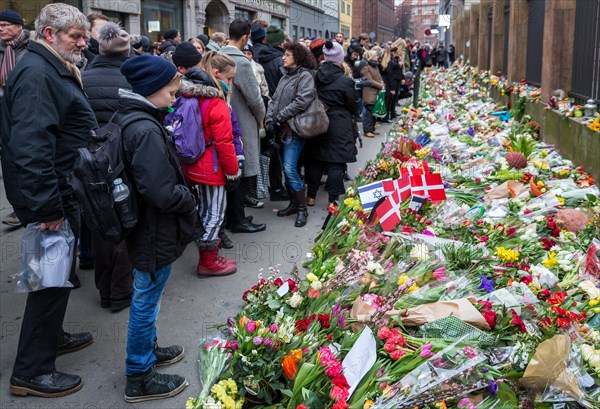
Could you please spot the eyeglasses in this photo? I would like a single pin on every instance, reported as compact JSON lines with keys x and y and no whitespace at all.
{"x":4,"y":25}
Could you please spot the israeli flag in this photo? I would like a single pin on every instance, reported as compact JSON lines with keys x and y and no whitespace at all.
{"x":370,"y":194}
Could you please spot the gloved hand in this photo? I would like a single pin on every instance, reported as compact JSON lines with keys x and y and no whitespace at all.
{"x":241,"y":161}
{"x":367,"y":83}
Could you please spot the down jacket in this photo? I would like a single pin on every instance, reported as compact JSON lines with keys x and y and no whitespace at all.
{"x":218,"y":136}
{"x":166,"y":208}
{"x":101,"y":83}
{"x":295,"y":92}
{"x":336,"y":90}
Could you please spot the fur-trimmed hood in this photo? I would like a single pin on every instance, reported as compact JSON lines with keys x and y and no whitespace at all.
{"x":191,"y":89}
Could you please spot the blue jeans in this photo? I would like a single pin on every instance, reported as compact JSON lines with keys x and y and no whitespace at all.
{"x":141,"y":332}
{"x":291,"y":150}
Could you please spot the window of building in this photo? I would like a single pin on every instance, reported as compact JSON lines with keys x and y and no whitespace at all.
{"x":277,"y":22}
{"x":29,"y":10}
{"x":160,"y":15}
{"x":295,"y":32}
{"x":310,"y":32}
{"x":302,"y":33}
{"x":343,"y":7}
{"x":241,"y":13}
{"x":320,"y":33}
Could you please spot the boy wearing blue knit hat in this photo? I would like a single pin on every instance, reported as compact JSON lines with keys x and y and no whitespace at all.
{"x":166,"y":219}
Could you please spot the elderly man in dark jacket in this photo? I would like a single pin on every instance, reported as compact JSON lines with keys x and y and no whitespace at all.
{"x":101,"y":82}
{"x":39,"y":147}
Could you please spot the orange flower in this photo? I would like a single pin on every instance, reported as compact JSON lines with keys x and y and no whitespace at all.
{"x":290,"y":369}
{"x":243,"y":321}
{"x":296,"y":355}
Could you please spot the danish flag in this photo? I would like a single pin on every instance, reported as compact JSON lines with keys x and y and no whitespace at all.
{"x":389,"y":212}
{"x":429,"y":186}
{"x":402,"y":186}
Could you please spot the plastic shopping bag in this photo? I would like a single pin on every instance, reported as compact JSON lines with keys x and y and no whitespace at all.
{"x":379,"y":110}
{"x":46,"y":258}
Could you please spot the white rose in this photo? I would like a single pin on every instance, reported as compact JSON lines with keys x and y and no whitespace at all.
{"x":587,"y":351}
{"x":296,"y":300}
{"x":590,"y":289}
{"x":316,"y":285}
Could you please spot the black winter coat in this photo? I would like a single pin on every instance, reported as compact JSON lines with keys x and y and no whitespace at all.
{"x":270,"y":58}
{"x":101,"y":83}
{"x":167,"y":45}
{"x":45,"y":118}
{"x":392,"y":74}
{"x":336,"y":90}
{"x":166,"y":208}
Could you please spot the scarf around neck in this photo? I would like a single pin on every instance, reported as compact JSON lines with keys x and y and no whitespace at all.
{"x":10,"y":57}
{"x":72,"y":68}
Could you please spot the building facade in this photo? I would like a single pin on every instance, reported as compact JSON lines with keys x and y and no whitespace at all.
{"x":153,"y":17}
{"x":307,"y":19}
{"x":332,"y":18}
{"x":345,"y":7}
{"x":424,"y":19}
{"x":374,"y":17}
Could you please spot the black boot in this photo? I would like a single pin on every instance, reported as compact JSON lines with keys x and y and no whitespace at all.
{"x":301,"y":211}
{"x":291,"y":209}
{"x":226,"y":242}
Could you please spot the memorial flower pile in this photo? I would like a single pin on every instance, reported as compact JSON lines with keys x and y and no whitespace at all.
{"x":476,"y":287}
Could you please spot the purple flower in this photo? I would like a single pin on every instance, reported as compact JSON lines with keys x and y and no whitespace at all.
{"x":273,"y":328}
{"x":337,"y":309}
{"x":268,"y":343}
{"x":486,"y":284}
{"x":471,"y":131}
{"x":258,"y":340}
{"x":492,"y":387}
{"x":234,"y":345}
{"x":230,"y":322}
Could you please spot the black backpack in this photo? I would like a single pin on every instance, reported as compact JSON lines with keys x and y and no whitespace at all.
{"x":93,"y":176}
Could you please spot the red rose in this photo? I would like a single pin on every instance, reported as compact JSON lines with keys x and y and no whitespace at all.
{"x":544,"y":294}
{"x":278,"y":282}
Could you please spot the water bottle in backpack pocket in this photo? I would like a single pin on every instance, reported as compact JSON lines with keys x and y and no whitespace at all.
{"x":102,"y":184}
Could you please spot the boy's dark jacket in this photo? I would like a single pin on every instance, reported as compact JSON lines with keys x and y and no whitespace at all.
{"x":167,"y":213}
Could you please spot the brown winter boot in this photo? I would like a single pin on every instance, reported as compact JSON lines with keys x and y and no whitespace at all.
{"x":211,"y":264}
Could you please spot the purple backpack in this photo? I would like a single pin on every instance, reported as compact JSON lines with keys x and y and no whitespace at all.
{"x":187,"y":132}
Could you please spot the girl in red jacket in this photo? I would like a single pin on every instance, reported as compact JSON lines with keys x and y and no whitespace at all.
{"x":217,"y":164}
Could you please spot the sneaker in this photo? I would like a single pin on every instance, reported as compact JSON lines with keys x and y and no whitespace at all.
{"x":167,"y":355}
{"x":153,"y":385}
{"x":252,"y":202}
{"x":12,"y":220}
{"x":74,"y":342}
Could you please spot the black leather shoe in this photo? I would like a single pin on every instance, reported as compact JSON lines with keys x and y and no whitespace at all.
{"x":74,"y":342}
{"x":228,"y":224}
{"x":119,"y":305}
{"x":279,"y":196}
{"x":50,"y":385}
{"x":248,"y":227}
{"x":75,"y":280}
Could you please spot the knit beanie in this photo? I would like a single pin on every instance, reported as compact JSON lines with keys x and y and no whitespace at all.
{"x":275,"y":35}
{"x":257,"y":33}
{"x":186,"y":55}
{"x":148,"y":73}
{"x":112,"y":39}
{"x":204,"y":38}
{"x":170,"y":34}
{"x":11,"y":16}
{"x":333,"y":52}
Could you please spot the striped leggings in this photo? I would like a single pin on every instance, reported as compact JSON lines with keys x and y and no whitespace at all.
{"x":212,"y":201}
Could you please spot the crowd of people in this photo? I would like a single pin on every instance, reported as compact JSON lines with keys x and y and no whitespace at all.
{"x":84,"y":72}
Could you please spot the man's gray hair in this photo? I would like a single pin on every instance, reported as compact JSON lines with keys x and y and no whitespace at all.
{"x":61,"y":17}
